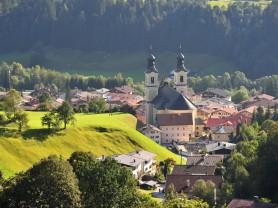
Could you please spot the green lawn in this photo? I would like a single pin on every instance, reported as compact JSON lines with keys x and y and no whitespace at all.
{"x":225,"y":3}
{"x":101,"y":134}
{"x":132,"y":64}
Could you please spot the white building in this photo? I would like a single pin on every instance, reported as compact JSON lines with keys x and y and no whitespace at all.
{"x":152,"y":132}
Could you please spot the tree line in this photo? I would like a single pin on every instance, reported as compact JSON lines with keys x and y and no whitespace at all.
{"x":16,"y":76}
{"x":244,"y":33}
{"x":252,"y":167}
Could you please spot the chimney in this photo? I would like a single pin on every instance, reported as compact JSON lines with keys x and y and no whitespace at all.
{"x":188,"y":183}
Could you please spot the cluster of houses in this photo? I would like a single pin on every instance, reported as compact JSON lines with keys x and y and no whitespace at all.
{"x":115,"y":97}
{"x":214,"y":116}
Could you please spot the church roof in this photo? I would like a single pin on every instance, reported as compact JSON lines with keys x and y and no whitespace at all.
{"x":169,"y":98}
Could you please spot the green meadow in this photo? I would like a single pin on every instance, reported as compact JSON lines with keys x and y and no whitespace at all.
{"x":101,"y":134}
{"x":225,"y":3}
{"x":132,"y":64}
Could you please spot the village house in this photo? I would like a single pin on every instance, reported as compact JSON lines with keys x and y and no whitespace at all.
{"x":178,"y":127}
{"x":139,"y":162}
{"x":123,"y":89}
{"x":152,"y":132}
{"x":263,"y":100}
{"x":224,"y":112}
{"x":134,"y":164}
{"x":184,"y":183}
{"x":149,"y":165}
{"x":199,"y":127}
{"x":215,"y":103}
{"x":215,"y":93}
{"x":221,"y":133}
{"x":220,"y":148}
{"x":207,"y":160}
{"x":204,"y":113}
{"x":193,"y":170}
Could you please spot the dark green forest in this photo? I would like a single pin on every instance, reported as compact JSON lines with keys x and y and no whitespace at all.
{"x":244,"y":33}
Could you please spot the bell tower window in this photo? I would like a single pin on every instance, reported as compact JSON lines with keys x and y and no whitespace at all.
{"x":152,"y":80}
{"x":181,"y":78}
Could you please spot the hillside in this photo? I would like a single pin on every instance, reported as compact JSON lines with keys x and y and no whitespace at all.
{"x":100,"y":134}
{"x":132,"y":64}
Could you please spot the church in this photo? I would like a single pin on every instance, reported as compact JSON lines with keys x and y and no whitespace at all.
{"x":167,"y":107}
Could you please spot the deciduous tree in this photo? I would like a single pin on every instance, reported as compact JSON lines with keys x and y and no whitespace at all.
{"x":66,"y":113}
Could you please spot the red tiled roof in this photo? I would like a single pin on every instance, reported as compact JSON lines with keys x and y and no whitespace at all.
{"x":215,"y":121}
{"x":173,"y":119}
{"x":227,"y":110}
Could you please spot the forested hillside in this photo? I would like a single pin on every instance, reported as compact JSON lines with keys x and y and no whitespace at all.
{"x":244,"y":32}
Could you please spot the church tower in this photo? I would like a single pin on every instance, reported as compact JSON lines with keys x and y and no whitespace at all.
{"x":151,"y":84}
{"x":180,"y":75}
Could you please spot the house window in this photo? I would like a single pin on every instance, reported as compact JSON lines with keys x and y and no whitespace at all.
{"x":183,"y":134}
{"x":183,"y":128}
{"x":166,"y":134}
{"x":197,"y":127}
{"x":178,"y":128}
{"x":152,"y":80}
{"x":166,"y":129}
{"x":178,"y":134}
{"x":172,"y":128}
{"x":166,"y":140}
{"x":156,"y":136}
{"x":181,"y":78}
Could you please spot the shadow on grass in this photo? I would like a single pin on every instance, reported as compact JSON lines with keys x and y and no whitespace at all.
{"x":37,"y":134}
{"x":40,"y":134}
{"x":9,"y":133}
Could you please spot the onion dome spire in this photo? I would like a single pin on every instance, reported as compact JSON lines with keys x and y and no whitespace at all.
{"x":151,"y":62}
{"x":180,"y":61}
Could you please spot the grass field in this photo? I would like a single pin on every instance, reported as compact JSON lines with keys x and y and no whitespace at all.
{"x":101,"y":134}
{"x":132,"y":64}
{"x":225,"y":3}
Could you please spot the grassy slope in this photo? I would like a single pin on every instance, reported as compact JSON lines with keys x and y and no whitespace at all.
{"x":18,"y":153}
{"x":131,"y":64}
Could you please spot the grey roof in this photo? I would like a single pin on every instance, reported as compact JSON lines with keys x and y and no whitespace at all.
{"x":142,"y":154}
{"x":128,"y":160}
{"x":216,"y":101}
{"x":218,"y":92}
{"x":222,"y":129}
{"x":169,"y":98}
{"x":149,"y":128}
{"x":219,"y":145}
{"x":209,"y":160}
{"x":193,"y":170}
